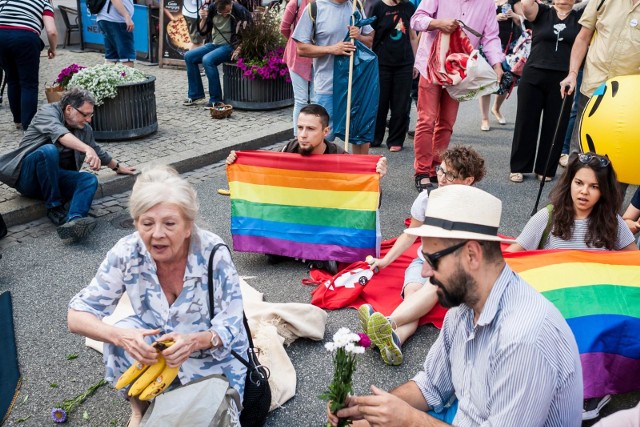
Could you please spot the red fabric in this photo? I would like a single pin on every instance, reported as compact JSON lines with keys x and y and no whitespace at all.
{"x":447,"y":59}
{"x":328,"y":295}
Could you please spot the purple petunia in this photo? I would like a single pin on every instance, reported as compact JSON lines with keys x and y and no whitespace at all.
{"x":58,"y":415}
{"x":270,"y":67}
{"x":365,"y":341}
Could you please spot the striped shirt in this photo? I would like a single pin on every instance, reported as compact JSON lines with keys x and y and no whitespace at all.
{"x":518,"y":366}
{"x":531,"y":235}
{"x":24,"y":14}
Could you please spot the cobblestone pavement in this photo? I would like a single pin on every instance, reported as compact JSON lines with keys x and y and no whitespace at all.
{"x":180,"y":129}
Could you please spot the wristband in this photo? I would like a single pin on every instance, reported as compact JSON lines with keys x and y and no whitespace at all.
{"x":115,"y":169}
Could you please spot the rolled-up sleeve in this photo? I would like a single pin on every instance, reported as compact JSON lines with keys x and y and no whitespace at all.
{"x":423,"y":16}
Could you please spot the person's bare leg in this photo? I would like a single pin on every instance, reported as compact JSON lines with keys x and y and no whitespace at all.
{"x":496,"y":108}
{"x":485,"y":101}
{"x":419,"y":299}
{"x":138,"y":408}
{"x":360,"y":149}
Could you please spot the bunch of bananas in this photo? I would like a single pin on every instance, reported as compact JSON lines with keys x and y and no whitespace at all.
{"x":153,"y":378}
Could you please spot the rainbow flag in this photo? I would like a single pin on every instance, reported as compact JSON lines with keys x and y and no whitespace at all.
{"x":599,"y":294}
{"x":320,"y":207}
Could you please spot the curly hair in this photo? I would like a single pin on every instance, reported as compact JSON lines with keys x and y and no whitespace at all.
{"x":466,"y":161}
{"x":603,"y":223}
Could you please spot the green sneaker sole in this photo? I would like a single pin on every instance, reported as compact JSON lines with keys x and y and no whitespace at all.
{"x":381,"y":334}
{"x":363,"y":314}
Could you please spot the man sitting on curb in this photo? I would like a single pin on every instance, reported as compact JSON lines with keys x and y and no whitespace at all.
{"x":313,"y":127}
{"x":46,"y":164}
{"x":505,"y":355}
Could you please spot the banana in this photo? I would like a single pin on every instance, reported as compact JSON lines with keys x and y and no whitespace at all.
{"x":131,"y":374}
{"x":149,"y":375}
{"x":161,"y":382}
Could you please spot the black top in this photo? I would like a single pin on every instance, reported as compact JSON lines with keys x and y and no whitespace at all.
{"x":552,"y":39}
{"x":293,"y":146}
{"x":392,"y":41}
{"x":509,"y":31}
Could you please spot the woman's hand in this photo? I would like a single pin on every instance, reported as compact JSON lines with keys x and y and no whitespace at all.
{"x":184,"y":345}
{"x":502,"y":17}
{"x":132,"y":341}
{"x":378,"y":263}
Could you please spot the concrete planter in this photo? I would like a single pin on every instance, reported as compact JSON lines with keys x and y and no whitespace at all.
{"x":131,"y":114}
{"x":257,"y":94}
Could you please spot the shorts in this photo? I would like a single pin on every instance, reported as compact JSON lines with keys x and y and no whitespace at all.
{"x":413,"y":274}
{"x":118,"y":42}
{"x":194,"y":34}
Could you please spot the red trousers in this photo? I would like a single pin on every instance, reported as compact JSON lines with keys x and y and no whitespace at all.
{"x":437,"y":113}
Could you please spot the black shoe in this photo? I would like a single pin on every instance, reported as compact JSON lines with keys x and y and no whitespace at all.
{"x":375,"y":143}
{"x":57,"y":215}
{"x":77,"y":228}
{"x":330,"y":267}
{"x":412,"y":133}
{"x":428,"y":186}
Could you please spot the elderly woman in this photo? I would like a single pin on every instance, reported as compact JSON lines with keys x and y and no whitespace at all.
{"x":163,"y":269}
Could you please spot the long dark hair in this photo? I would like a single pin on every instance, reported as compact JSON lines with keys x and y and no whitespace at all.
{"x":603,"y":222}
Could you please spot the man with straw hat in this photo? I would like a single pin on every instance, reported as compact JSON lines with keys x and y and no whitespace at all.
{"x":505,"y":355}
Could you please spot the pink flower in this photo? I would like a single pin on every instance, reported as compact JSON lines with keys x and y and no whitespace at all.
{"x":365,"y":341}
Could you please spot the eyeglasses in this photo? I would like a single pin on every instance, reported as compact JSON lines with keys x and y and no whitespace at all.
{"x":588,"y":159}
{"x":449,"y":176}
{"x":434,"y":258}
{"x":85,"y":115}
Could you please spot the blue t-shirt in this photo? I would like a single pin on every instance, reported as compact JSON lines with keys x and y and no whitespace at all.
{"x":635,"y":200}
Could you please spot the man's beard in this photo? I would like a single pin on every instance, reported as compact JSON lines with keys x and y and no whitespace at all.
{"x":460,"y":289}
{"x":305,"y":151}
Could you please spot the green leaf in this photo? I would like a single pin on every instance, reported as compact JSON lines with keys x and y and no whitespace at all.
{"x":21,"y":420}
{"x":53,"y":385}
{"x":26,"y":397}
{"x":72,"y":356}
{"x":85,"y":415}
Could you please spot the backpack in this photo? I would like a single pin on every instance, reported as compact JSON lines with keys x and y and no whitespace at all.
{"x":95,"y":6}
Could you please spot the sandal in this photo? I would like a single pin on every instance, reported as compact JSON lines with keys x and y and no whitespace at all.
{"x":421,"y":186}
{"x":395,"y":148}
{"x":546,"y":178}
{"x":516,"y":177}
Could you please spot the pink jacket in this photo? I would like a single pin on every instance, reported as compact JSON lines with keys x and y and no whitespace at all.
{"x":299,"y":65}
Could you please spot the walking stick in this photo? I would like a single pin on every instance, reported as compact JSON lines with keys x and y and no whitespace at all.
{"x":553,"y":144}
{"x":348,"y":118}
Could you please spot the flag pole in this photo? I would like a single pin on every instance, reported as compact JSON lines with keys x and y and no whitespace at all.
{"x":348,"y":118}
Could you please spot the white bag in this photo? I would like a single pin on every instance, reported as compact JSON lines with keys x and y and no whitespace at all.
{"x":206,"y":402}
{"x":480,"y":80}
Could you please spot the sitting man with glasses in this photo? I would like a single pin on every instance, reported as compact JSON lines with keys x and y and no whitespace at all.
{"x":505,"y":355}
{"x":460,"y":165}
{"x":47,"y":162}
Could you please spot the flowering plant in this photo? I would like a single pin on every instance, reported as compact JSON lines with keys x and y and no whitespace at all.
{"x":345,"y":347}
{"x":59,"y":414}
{"x":66,"y":74}
{"x":260,"y":53}
{"x":102,"y":80}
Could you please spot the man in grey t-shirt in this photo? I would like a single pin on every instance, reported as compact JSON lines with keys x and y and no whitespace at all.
{"x":333,"y":20}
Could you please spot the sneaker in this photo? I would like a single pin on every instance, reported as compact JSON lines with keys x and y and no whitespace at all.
{"x":592,"y":407}
{"x":77,"y":229}
{"x":411,"y":133}
{"x":382,"y":335}
{"x":57,"y":215}
{"x":564,"y":160}
{"x":364,"y":313}
{"x":189,"y":102}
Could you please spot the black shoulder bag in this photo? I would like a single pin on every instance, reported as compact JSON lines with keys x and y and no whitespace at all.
{"x":257,"y":393}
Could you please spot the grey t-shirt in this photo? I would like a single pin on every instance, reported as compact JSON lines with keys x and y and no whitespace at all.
{"x":331,"y":27}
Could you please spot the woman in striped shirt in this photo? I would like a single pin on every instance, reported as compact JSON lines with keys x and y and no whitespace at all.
{"x":585,"y":209}
{"x":21,"y":22}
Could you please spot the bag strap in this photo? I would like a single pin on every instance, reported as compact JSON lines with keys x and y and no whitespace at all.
{"x":547,"y":229}
{"x":251,"y":351}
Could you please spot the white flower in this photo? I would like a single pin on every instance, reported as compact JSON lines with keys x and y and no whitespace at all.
{"x":329,"y":346}
{"x":358,"y":350}
{"x":102,"y":80}
{"x":349,"y":347}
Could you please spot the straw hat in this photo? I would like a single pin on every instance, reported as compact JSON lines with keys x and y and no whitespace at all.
{"x":461,"y":212}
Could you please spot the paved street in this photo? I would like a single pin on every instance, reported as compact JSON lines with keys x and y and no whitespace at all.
{"x":43,"y":273}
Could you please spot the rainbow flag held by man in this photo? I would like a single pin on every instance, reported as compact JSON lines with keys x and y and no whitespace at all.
{"x":598,"y":292}
{"x":318,"y":207}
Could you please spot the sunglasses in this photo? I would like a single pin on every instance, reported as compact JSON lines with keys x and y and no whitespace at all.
{"x":85,"y":115}
{"x":449,"y":176}
{"x":588,"y":159}
{"x":434,"y":258}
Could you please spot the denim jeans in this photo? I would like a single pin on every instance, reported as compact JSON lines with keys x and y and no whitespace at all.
{"x":20,"y":60}
{"x":326,"y":100}
{"x":118,"y":42}
{"x":42,"y":178}
{"x":210,"y":56}
{"x":302,"y":94}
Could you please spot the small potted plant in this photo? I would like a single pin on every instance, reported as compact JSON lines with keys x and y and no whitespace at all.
{"x":258,"y":79}
{"x":125,"y":101}
{"x":54,"y":92}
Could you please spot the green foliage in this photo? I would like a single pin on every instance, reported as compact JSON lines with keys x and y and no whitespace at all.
{"x":262,"y":36}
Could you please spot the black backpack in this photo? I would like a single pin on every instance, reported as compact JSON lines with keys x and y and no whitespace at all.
{"x":95,"y":6}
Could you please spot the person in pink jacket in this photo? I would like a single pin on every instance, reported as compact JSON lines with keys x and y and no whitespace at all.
{"x":299,"y":67}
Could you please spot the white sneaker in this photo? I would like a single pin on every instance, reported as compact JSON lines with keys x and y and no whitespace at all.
{"x":592,"y":407}
{"x":564,"y":159}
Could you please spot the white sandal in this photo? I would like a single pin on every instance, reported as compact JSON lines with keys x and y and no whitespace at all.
{"x":516,"y":177}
